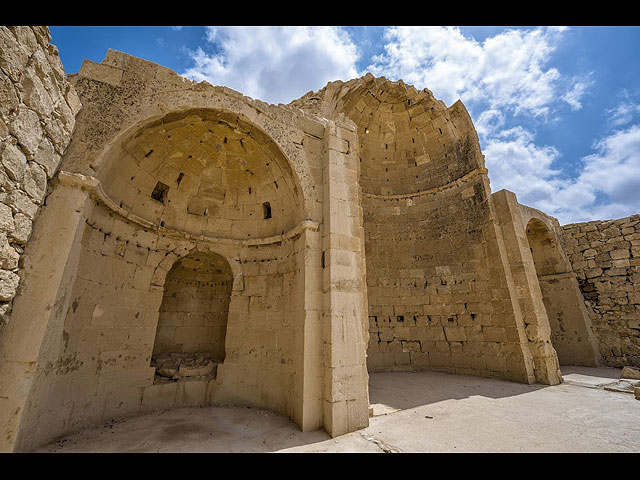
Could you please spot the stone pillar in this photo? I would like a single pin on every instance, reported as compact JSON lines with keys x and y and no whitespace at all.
{"x":345,"y":385}
{"x":50,"y":263}
{"x":507,"y":315}
{"x":547,"y":369}
{"x":310,"y":358}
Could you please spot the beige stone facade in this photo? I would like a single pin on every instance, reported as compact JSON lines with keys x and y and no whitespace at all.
{"x":605,"y":255}
{"x":199,"y":247}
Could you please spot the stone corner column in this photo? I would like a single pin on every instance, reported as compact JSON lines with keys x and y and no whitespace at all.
{"x":308,"y":411}
{"x":538,"y":331}
{"x":345,"y":398}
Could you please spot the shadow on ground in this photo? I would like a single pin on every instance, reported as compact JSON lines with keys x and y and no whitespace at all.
{"x":235,"y":429}
{"x":419,"y":389}
{"x":206,"y":429}
{"x":412,"y":412}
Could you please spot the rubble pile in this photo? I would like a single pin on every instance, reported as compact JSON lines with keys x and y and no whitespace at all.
{"x":176,"y":366}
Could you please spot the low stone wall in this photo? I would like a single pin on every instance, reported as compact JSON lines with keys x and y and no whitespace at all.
{"x":37,"y":117}
{"x":605,"y":255}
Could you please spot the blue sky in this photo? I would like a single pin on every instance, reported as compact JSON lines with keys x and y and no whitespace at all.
{"x":557,"y":109}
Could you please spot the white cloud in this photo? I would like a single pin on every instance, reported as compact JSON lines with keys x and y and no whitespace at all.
{"x":625,"y":112}
{"x":275,"y":64}
{"x":614,"y":170}
{"x":574,"y":96}
{"x":607,"y":187}
{"x":489,"y":122}
{"x":517,"y":164}
{"x":506,"y":71}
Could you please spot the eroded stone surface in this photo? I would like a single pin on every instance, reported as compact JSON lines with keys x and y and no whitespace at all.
{"x":630,"y":372}
{"x":209,"y":248}
{"x":175,"y":366}
{"x":37,"y":109}
{"x":605,"y":255}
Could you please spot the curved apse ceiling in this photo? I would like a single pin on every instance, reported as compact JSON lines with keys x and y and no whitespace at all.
{"x":205,"y":171}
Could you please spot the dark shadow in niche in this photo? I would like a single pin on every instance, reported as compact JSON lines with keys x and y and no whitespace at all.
{"x":159,"y":193}
{"x":266,"y":209}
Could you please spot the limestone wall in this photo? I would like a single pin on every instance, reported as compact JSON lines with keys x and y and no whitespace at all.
{"x":37,"y":117}
{"x":427,"y":297}
{"x":161,"y":169}
{"x":605,"y":255}
{"x":439,"y":289}
{"x":95,"y":361}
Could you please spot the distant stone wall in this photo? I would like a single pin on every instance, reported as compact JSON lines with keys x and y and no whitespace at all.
{"x":605,"y":255}
{"x":37,"y":117}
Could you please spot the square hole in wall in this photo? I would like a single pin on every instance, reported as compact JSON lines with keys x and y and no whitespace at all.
{"x":266,"y":209}
{"x":159,"y":193}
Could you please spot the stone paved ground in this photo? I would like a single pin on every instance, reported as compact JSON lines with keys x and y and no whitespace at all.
{"x":413,"y":412}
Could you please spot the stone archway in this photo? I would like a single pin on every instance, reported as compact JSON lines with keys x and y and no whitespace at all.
{"x":571,"y":333}
{"x":192,"y":321}
{"x":190,"y":182}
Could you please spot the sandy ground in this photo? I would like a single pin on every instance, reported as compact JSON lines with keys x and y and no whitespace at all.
{"x":413,"y":412}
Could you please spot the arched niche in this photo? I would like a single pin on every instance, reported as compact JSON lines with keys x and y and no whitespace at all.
{"x":571,"y":333}
{"x":120,"y":247}
{"x":409,"y":142}
{"x":425,"y":203}
{"x":204,"y":171}
{"x":546,"y":253}
{"x":192,"y":321}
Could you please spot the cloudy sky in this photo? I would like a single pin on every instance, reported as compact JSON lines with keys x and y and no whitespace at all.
{"x":557,"y":109}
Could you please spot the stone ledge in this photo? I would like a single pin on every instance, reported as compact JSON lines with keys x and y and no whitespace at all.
{"x":93,"y":186}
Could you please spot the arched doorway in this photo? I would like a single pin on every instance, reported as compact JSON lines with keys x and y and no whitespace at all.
{"x":192,"y":323}
{"x":568,"y":319}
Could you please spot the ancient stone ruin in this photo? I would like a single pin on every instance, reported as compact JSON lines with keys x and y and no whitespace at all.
{"x":168,"y":243}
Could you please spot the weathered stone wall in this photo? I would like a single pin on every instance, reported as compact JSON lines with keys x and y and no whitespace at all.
{"x":95,"y":362}
{"x":439,"y":289}
{"x":429,"y":300}
{"x":105,"y":327}
{"x":605,"y":255}
{"x":159,"y":168}
{"x":37,"y":117}
{"x":264,"y":330}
